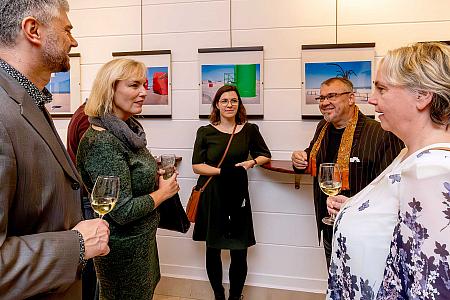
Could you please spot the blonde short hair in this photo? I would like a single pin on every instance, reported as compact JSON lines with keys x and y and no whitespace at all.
{"x":422,"y":67}
{"x":101,"y":99}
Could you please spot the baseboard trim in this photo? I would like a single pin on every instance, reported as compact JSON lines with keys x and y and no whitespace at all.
{"x":254,"y":280}
{"x":200,"y":290}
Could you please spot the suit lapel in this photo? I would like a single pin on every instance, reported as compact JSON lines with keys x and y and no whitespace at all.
{"x":358,"y":130}
{"x":61,"y":146}
{"x":321,"y":154}
{"x":36,"y":118}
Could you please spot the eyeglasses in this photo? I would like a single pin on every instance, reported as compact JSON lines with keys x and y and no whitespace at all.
{"x":224,"y":102}
{"x":331,"y":96}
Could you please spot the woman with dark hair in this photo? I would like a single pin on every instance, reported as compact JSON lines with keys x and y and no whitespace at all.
{"x":224,"y":218}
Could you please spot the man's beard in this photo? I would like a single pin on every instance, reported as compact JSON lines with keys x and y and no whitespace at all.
{"x":326,"y":116}
{"x":55,"y":59}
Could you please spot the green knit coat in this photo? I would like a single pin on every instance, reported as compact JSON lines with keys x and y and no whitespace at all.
{"x":131,"y":269}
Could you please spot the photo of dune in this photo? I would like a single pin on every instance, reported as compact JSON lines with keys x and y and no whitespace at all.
{"x":59,"y":86}
{"x":246,"y":77}
{"x":358,"y":72}
{"x":157,"y":86}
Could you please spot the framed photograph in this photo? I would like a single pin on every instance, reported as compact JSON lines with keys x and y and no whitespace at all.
{"x":158,"y":102}
{"x":239,"y":66}
{"x":352,"y":61}
{"x":65,"y":88}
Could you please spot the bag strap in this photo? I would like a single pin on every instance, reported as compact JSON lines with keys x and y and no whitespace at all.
{"x":222,"y":159}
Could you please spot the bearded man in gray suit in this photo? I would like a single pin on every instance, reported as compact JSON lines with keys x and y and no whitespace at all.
{"x":43,"y":242}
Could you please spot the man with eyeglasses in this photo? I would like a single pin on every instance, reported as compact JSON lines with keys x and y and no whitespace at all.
{"x":345,"y":136}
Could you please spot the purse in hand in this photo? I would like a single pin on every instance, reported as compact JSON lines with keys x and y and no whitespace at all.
{"x":172,"y":215}
{"x":194,"y":198}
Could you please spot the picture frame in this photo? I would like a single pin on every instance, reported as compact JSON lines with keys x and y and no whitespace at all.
{"x":239,"y":66}
{"x":354,"y":61}
{"x":65,"y":89}
{"x":158,"y":103}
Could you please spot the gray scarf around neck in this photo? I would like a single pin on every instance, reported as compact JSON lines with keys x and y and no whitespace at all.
{"x":130,"y":132}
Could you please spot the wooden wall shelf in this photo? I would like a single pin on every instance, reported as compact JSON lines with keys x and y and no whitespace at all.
{"x":283,"y":166}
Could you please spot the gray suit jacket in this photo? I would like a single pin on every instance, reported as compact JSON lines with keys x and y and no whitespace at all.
{"x":39,"y":203}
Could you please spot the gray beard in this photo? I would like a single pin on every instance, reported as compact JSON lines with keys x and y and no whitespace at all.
{"x":326,"y":117}
{"x":54,"y":58}
{"x":56,"y":63}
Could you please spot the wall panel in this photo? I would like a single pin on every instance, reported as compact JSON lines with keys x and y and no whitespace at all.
{"x":194,"y":16}
{"x":283,"y":42}
{"x":99,"y":49}
{"x":389,"y":36}
{"x":184,"y":45}
{"x":386,"y":11}
{"x":250,"y":14}
{"x":113,"y":21}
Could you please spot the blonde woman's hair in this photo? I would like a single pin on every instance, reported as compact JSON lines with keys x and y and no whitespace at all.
{"x":422,"y":67}
{"x":100,"y":101}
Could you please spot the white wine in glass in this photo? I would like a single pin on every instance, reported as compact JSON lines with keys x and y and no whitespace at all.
{"x":105,"y":194}
{"x":168,"y":164}
{"x":330,"y":182}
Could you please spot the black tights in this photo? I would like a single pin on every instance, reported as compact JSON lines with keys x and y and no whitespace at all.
{"x":237,"y":273}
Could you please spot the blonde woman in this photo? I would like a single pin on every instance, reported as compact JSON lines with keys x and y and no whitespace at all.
{"x":115,"y":144}
{"x":391,"y":241}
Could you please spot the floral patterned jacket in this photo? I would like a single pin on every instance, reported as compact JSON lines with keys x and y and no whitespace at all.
{"x":392,"y":241}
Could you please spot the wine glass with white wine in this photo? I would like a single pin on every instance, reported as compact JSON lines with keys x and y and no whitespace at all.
{"x":105,"y":194}
{"x":330,"y":182}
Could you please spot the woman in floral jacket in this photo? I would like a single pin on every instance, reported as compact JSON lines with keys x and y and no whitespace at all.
{"x":392,"y":240}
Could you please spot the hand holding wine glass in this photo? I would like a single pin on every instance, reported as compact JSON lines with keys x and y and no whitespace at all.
{"x":95,"y":234}
{"x":330,"y":182}
{"x":168,"y":164}
{"x":105,"y":194}
{"x":335,"y":203}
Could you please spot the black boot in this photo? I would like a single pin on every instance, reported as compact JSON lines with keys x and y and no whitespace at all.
{"x":240,"y":297}
{"x":219,"y":295}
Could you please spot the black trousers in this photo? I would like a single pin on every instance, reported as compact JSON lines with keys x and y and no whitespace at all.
{"x":237,"y":273}
{"x":88,"y":277}
{"x":327,"y":237}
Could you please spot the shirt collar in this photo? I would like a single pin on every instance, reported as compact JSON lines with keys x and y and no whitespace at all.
{"x":39,"y":97}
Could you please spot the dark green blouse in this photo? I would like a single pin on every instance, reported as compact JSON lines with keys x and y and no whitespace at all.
{"x":131,"y":269}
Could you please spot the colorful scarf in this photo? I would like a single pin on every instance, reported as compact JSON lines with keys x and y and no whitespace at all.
{"x":345,"y":147}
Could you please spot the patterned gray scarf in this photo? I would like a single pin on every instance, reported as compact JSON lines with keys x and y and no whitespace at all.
{"x":130,"y":132}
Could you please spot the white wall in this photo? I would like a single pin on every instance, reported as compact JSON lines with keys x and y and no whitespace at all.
{"x":287,"y":254}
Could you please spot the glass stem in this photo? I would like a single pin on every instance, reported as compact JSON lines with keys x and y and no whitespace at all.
{"x":96,"y":229}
